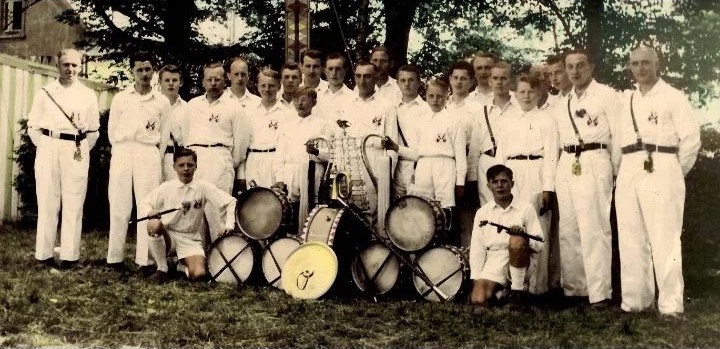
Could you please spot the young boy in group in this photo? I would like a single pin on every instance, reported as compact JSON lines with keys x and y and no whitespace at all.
{"x":497,"y":258}
{"x":183,"y":228}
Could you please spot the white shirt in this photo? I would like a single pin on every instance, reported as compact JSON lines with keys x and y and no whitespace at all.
{"x":480,"y":97}
{"x":330,"y":104}
{"x":410,"y":118}
{"x":664,"y":117}
{"x":390,"y":91}
{"x":442,"y":135}
{"x":531,"y":133}
{"x":78,"y":101}
{"x":487,"y":238}
{"x":219,"y":122}
{"x":469,"y":113}
{"x":322,"y":85}
{"x":246,"y":100}
{"x":372,"y":115}
{"x":191,"y":198}
{"x":294,"y":133}
{"x":136,"y":117}
{"x":173,"y":124}
{"x":594,"y":113}
{"x":265,"y":124}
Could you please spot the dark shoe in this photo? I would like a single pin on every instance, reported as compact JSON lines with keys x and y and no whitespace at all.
{"x":116,"y":267}
{"x":603,"y":304}
{"x":66,"y":265}
{"x":46,"y":263}
{"x":147,"y":270}
{"x":159,"y":277}
{"x":519,"y":298}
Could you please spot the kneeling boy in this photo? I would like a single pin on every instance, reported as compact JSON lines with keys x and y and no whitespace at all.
{"x":493,"y":254}
{"x":183,"y":227}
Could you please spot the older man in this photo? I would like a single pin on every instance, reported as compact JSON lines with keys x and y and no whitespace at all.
{"x":660,"y":137}
{"x":62,"y":123}
{"x":386,"y":86}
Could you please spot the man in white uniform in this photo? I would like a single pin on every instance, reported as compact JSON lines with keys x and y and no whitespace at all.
{"x":238,"y":73}
{"x":586,"y":125}
{"x":170,"y":82}
{"x":332,"y":97}
{"x":290,"y":80}
{"x":183,"y":227}
{"x":410,"y":110}
{"x":311,"y":67}
{"x":499,"y":257}
{"x":386,"y":86}
{"x":482,"y":63}
{"x":660,"y":137}
{"x":529,"y":147}
{"x":137,"y":115}
{"x":558,"y":78}
{"x":265,"y":118}
{"x":62,"y":124}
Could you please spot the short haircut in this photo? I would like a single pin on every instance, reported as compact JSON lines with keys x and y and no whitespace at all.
{"x":365,"y":63}
{"x":314,"y":54}
{"x":439,"y":83}
{"x":212,"y":65}
{"x":411,"y":68}
{"x":229,"y":63}
{"x":483,"y":54}
{"x":335,"y":55}
{"x":269,"y":73}
{"x":462,"y":65}
{"x":141,"y":56}
{"x":305,"y":91}
{"x":66,"y":51}
{"x":503,"y":65}
{"x":580,"y":51}
{"x":182,"y":151}
{"x":557,"y":58}
{"x":494,"y":171}
{"x":530,"y":79}
{"x":290,"y":65}
{"x":380,"y":48}
{"x":170,"y":68}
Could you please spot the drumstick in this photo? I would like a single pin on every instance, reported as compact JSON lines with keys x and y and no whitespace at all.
{"x":157,"y":215}
{"x":501,"y":227}
{"x":413,"y":267}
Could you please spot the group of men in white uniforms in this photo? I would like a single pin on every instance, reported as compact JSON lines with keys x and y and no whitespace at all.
{"x":574,"y":146}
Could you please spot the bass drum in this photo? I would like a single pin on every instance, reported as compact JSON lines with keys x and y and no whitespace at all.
{"x":275,"y":256}
{"x":262,"y":213}
{"x":447,"y":268}
{"x":412,"y":222}
{"x":375,"y":271}
{"x":231,"y":259}
{"x":310,"y":271}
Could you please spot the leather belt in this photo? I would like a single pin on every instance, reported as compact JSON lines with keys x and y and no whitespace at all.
{"x":648,"y":147}
{"x":271,"y":150}
{"x":525,"y":157}
{"x":216,"y":145}
{"x":588,"y":146}
{"x":63,"y":136}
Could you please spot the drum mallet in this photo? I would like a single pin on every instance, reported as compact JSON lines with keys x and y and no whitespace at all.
{"x":157,"y":215}
{"x":501,"y":227}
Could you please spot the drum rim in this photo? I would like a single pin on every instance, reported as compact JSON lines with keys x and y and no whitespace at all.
{"x":357,"y":259}
{"x":335,"y":259}
{"x":265,"y":251}
{"x":464,"y":270}
{"x":333,"y":227}
{"x":217,"y":241}
{"x":388,"y":227}
{"x":242,"y":198}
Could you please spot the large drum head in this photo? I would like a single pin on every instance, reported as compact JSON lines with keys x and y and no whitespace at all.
{"x":274,"y":258}
{"x":375,"y":270}
{"x":411,"y":223}
{"x":259,"y":213}
{"x":445,"y":268}
{"x":230,"y":259}
{"x":310,"y":271}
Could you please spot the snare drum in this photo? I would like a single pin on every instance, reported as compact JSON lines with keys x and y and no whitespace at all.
{"x":261,"y":213}
{"x":375,"y":270}
{"x":412,"y":222}
{"x":447,"y":268}
{"x":230,"y":259}
{"x":275,"y":256}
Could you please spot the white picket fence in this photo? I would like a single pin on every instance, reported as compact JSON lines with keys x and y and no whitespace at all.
{"x":20,"y":80}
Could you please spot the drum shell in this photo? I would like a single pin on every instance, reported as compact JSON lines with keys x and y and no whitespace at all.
{"x":263,"y":213}
{"x":415,"y":223}
{"x":386,"y":268}
{"x":231,"y":245}
{"x":454,"y":259}
{"x":271,"y":265}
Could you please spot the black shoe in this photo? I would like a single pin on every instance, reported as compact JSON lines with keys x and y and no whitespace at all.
{"x":603,"y":304}
{"x":46,"y":263}
{"x":116,"y":267}
{"x":159,"y":277}
{"x":66,"y":265}
{"x":147,"y":270}
{"x":517,"y":297}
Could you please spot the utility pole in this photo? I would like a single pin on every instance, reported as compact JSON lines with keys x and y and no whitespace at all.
{"x":297,"y":28}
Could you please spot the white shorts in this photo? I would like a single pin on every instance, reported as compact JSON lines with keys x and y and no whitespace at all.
{"x":496,"y":267}
{"x":186,"y":245}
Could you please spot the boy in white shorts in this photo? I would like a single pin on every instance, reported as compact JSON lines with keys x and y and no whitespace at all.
{"x":499,"y":257}
{"x":183,"y":227}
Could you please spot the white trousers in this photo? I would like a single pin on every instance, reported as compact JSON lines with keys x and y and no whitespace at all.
{"x":403,"y":178}
{"x":435,"y":179}
{"x":259,"y":168}
{"x":483,"y":165}
{"x":215,"y":165}
{"x":528,"y":175}
{"x":134,"y":167}
{"x":650,"y":218}
{"x":60,"y":180}
{"x":168,"y":171}
{"x":584,"y":227}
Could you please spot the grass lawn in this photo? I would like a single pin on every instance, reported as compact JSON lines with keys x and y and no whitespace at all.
{"x":91,"y":307}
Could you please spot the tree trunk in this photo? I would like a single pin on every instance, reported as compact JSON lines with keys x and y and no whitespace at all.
{"x":593,"y":11}
{"x":399,"y":15}
{"x":361,"y":49}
